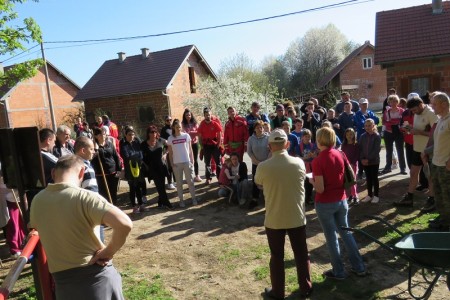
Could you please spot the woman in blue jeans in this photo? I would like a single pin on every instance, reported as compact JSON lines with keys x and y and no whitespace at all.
{"x":331,"y":205}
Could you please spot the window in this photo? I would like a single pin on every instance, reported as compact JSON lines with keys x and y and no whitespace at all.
{"x":146,"y":114}
{"x":367,"y":63}
{"x":420,"y":85}
{"x":192,"y":80}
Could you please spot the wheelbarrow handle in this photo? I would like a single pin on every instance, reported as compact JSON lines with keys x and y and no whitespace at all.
{"x":385,"y":223}
{"x":374,"y":239}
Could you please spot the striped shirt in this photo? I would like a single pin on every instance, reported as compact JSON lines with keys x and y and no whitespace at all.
{"x":89,"y":181}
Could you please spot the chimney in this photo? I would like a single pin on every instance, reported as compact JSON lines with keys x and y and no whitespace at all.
{"x":437,"y":7}
{"x":122,"y":56}
{"x":145,"y":52}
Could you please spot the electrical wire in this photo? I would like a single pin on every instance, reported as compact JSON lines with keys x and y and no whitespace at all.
{"x":22,"y":53}
{"x":340,"y":4}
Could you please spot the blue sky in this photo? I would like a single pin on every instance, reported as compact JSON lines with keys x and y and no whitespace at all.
{"x":98,"y":19}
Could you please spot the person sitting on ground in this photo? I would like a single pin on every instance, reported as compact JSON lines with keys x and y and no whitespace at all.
{"x":369,"y":153}
{"x":331,"y":205}
{"x":67,"y":218}
{"x":238,"y":176}
{"x":351,"y":149}
{"x":225,"y":181}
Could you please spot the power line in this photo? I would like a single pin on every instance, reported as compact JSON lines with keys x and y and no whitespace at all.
{"x":345,"y":3}
{"x":21,"y":53}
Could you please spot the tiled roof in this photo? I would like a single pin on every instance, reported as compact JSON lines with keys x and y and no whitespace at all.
{"x":136,"y":74}
{"x":325,"y":80}
{"x":412,"y":32}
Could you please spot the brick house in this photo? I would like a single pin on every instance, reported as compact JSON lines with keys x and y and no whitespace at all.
{"x":358,"y":75}
{"x":27,"y":102}
{"x":413,"y":46}
{"x":142,"y":89}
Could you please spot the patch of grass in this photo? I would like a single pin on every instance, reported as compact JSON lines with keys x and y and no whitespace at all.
{"x":416,"y":224}
{"x":229,"y":254}
{"x":259,"y":251}
{"x":261,"y":272}
{"x":139,"y":289}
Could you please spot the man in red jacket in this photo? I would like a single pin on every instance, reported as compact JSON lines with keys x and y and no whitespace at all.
{"x":236,"y":134}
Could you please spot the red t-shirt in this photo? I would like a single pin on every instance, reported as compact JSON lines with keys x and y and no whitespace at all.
{"x":208,"y":132}
{"x":330,"y":165}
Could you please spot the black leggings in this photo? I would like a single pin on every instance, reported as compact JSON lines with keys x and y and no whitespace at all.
{"x":372,"y":179}
{"x":135,"y":192}
{"x":195,"y":148}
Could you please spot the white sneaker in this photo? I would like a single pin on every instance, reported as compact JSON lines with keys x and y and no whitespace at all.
{"x":375,"y":199}
{"x":182,"y":204}
{"x":367,"y":199}
{"x":170,"y":186}
{"x":144,"y":199}
{"x":197,"y":179}
{"x":16,"y":255}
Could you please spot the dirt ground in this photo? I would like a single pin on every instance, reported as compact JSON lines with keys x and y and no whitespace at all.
{"x":216,"y":251}
{"x":211,"y":251}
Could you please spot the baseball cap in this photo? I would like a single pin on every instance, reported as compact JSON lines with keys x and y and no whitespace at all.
{"x":280,"y":107}
{"x":412,"y":95}
{"x":363,"y":100}
{"x":277,"y":136}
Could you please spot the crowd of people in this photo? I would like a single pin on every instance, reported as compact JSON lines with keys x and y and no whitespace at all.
{"x":298,"y":156}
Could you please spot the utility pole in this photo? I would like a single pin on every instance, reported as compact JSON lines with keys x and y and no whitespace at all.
{"x":49,"y":93}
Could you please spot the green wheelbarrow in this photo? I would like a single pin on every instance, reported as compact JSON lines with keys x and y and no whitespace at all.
{"x":430,"y":251}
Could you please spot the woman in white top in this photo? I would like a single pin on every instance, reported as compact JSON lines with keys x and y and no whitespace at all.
{"x":182,"y":160}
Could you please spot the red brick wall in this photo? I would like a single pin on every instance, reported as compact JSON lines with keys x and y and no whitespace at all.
{"x":28,"y":103}
{"x":371,"y":82}
{"x":399,"y":74}
{"x":124,"y":110}
{"x":181,"y":86}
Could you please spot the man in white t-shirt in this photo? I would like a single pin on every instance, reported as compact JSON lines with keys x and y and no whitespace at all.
{"x":424,"y":118}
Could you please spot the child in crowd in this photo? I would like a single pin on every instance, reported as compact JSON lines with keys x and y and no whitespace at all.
{"x":346,"y":119}
{"x":369,"y":153}
{"x":338,"y":140}
{"x":224,"y":180}
{"x":298,"y":128}
{"x":351,"y":150}
{"x":308,"y":151}
{"x":293,"y":146}
{"x":266,"y":127}
{"x":236,"y":173}
{"x":331,"y":117}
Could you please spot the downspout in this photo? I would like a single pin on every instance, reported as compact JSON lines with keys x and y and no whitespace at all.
{"x":5,"y":107}
{"x":164,"y":93}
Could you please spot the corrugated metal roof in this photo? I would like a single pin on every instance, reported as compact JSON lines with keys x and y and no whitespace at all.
{"x":411,"y":33}
{"x":136,"y":74}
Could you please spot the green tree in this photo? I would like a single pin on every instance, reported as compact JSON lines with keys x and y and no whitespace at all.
{"x":311,"y":57}
{"x":15,"y":37}
{"x":228,"y":91}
